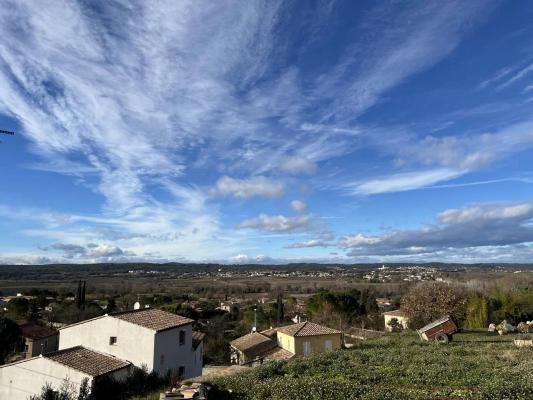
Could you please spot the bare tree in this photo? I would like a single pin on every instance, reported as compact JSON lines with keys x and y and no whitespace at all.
{"x":431,"y":300}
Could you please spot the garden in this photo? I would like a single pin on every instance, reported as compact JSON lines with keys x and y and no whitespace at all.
{"x":476,"y":365}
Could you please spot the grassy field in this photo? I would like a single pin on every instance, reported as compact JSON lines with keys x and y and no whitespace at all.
{"x":477,"y":365}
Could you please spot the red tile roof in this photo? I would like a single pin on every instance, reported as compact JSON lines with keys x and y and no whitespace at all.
{"x":253,"y":344}
{"x":33,"y":331}
{"x":90,"y":362}
{"x":307,"y":329}
{"x":197,"y":338}
{"x":153,"y":318}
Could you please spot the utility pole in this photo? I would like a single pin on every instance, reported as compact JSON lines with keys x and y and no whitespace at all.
{"x":254,"y":329}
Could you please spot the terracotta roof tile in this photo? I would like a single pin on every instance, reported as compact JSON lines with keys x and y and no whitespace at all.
{"x":307,"y":329}
{"x":33,"y":331}
{"x":153,"y":318}
{"x":87,"y":361}
{"x":278,"y":354}
{"x":253,"y":344}
{"x":197,"y":338}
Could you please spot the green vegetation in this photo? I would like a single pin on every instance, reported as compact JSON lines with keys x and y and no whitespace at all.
{"x":343,"y":308}
{"x":398,"y":366}
{"x":515,"y":305}
{"x":9,"y":338}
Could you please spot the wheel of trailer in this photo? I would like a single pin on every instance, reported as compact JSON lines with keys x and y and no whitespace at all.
{"x":441,"y":338}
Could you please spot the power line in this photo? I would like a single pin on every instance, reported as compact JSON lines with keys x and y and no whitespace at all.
{"x":6,"y":133}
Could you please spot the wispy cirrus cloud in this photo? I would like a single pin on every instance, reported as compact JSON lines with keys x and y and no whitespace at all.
{"x":140,"y":103}
{"x":403,"y":181}
{"x":433,"y":160}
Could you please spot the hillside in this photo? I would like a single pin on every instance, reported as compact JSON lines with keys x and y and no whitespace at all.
{"x":476,"y":366}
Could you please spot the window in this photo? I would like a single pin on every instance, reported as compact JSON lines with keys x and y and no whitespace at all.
{"x":112,"y":340}
{"x":307,"y":348}
{"x":329,"y":345}
{"x":182,"y":338}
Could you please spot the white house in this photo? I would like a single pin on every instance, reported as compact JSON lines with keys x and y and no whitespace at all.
{"x":20,"y":380}
{"x":151,"y":338}
{"x":401,"y":318}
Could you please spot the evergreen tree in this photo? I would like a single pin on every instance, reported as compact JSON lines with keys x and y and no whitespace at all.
{"x":279,"y":309}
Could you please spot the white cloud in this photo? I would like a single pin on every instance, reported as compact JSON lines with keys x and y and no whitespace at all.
{"x":298,"y":206}
{"x":309,"y":243}
{"x":403,"y":181}
{"x":247,"y":259}
{"x":487,"y":212}
{"x":277,"y":223}
{"x":473,"y":227}
{"x":468,"y":152}
{"x":522,"y":73}
{"x":450,"y":157}
{"x":247,"y":188}
{"x":298,"y":165}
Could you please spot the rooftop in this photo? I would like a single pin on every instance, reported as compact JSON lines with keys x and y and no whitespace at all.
{"x":253,"y":344}
{"x":197,"y":338}
{"x":153,"y":318}
{"x":307,"y":329}
{"x":395,"y":313}
{"x":87,"y":361}
{"x":150,"y":318}
{"x":33,"y":331}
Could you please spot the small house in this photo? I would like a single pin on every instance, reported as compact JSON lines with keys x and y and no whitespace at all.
{"x":38,"y":339}
{"x":401,"y":319}
{"x":284,"y":342}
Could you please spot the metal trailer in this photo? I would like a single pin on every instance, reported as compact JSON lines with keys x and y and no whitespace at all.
{"x":440,"y":331}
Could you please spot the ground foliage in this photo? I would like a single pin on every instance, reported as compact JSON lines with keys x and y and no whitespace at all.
{"x":397,"y":366}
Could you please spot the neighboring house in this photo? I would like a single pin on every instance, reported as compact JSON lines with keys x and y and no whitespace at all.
{"x":399,"y":316}
{"x":301,"y":339}
{"x":20,"y":380}
{"x":383,"y":302}
{"x":232,"y":307}
{"x":38,"y":339}
{"x":151,"y":338}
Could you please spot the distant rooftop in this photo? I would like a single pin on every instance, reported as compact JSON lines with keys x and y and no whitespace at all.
{"x":395,"y":313}
{"x":33,"y":331}
{"x":197,"y":338}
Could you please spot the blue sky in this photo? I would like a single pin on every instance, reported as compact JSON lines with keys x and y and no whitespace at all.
{"x":275,"y":131}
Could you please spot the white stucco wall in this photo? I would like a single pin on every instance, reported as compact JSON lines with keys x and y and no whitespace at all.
{"x":402,"y":320}
{"x":20,"y":380}
{"x":198,"y":361}
{"x":134,"y":343}
{"x":174,"y":355}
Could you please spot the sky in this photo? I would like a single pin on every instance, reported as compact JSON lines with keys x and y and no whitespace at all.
{"x":266,"y":131}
